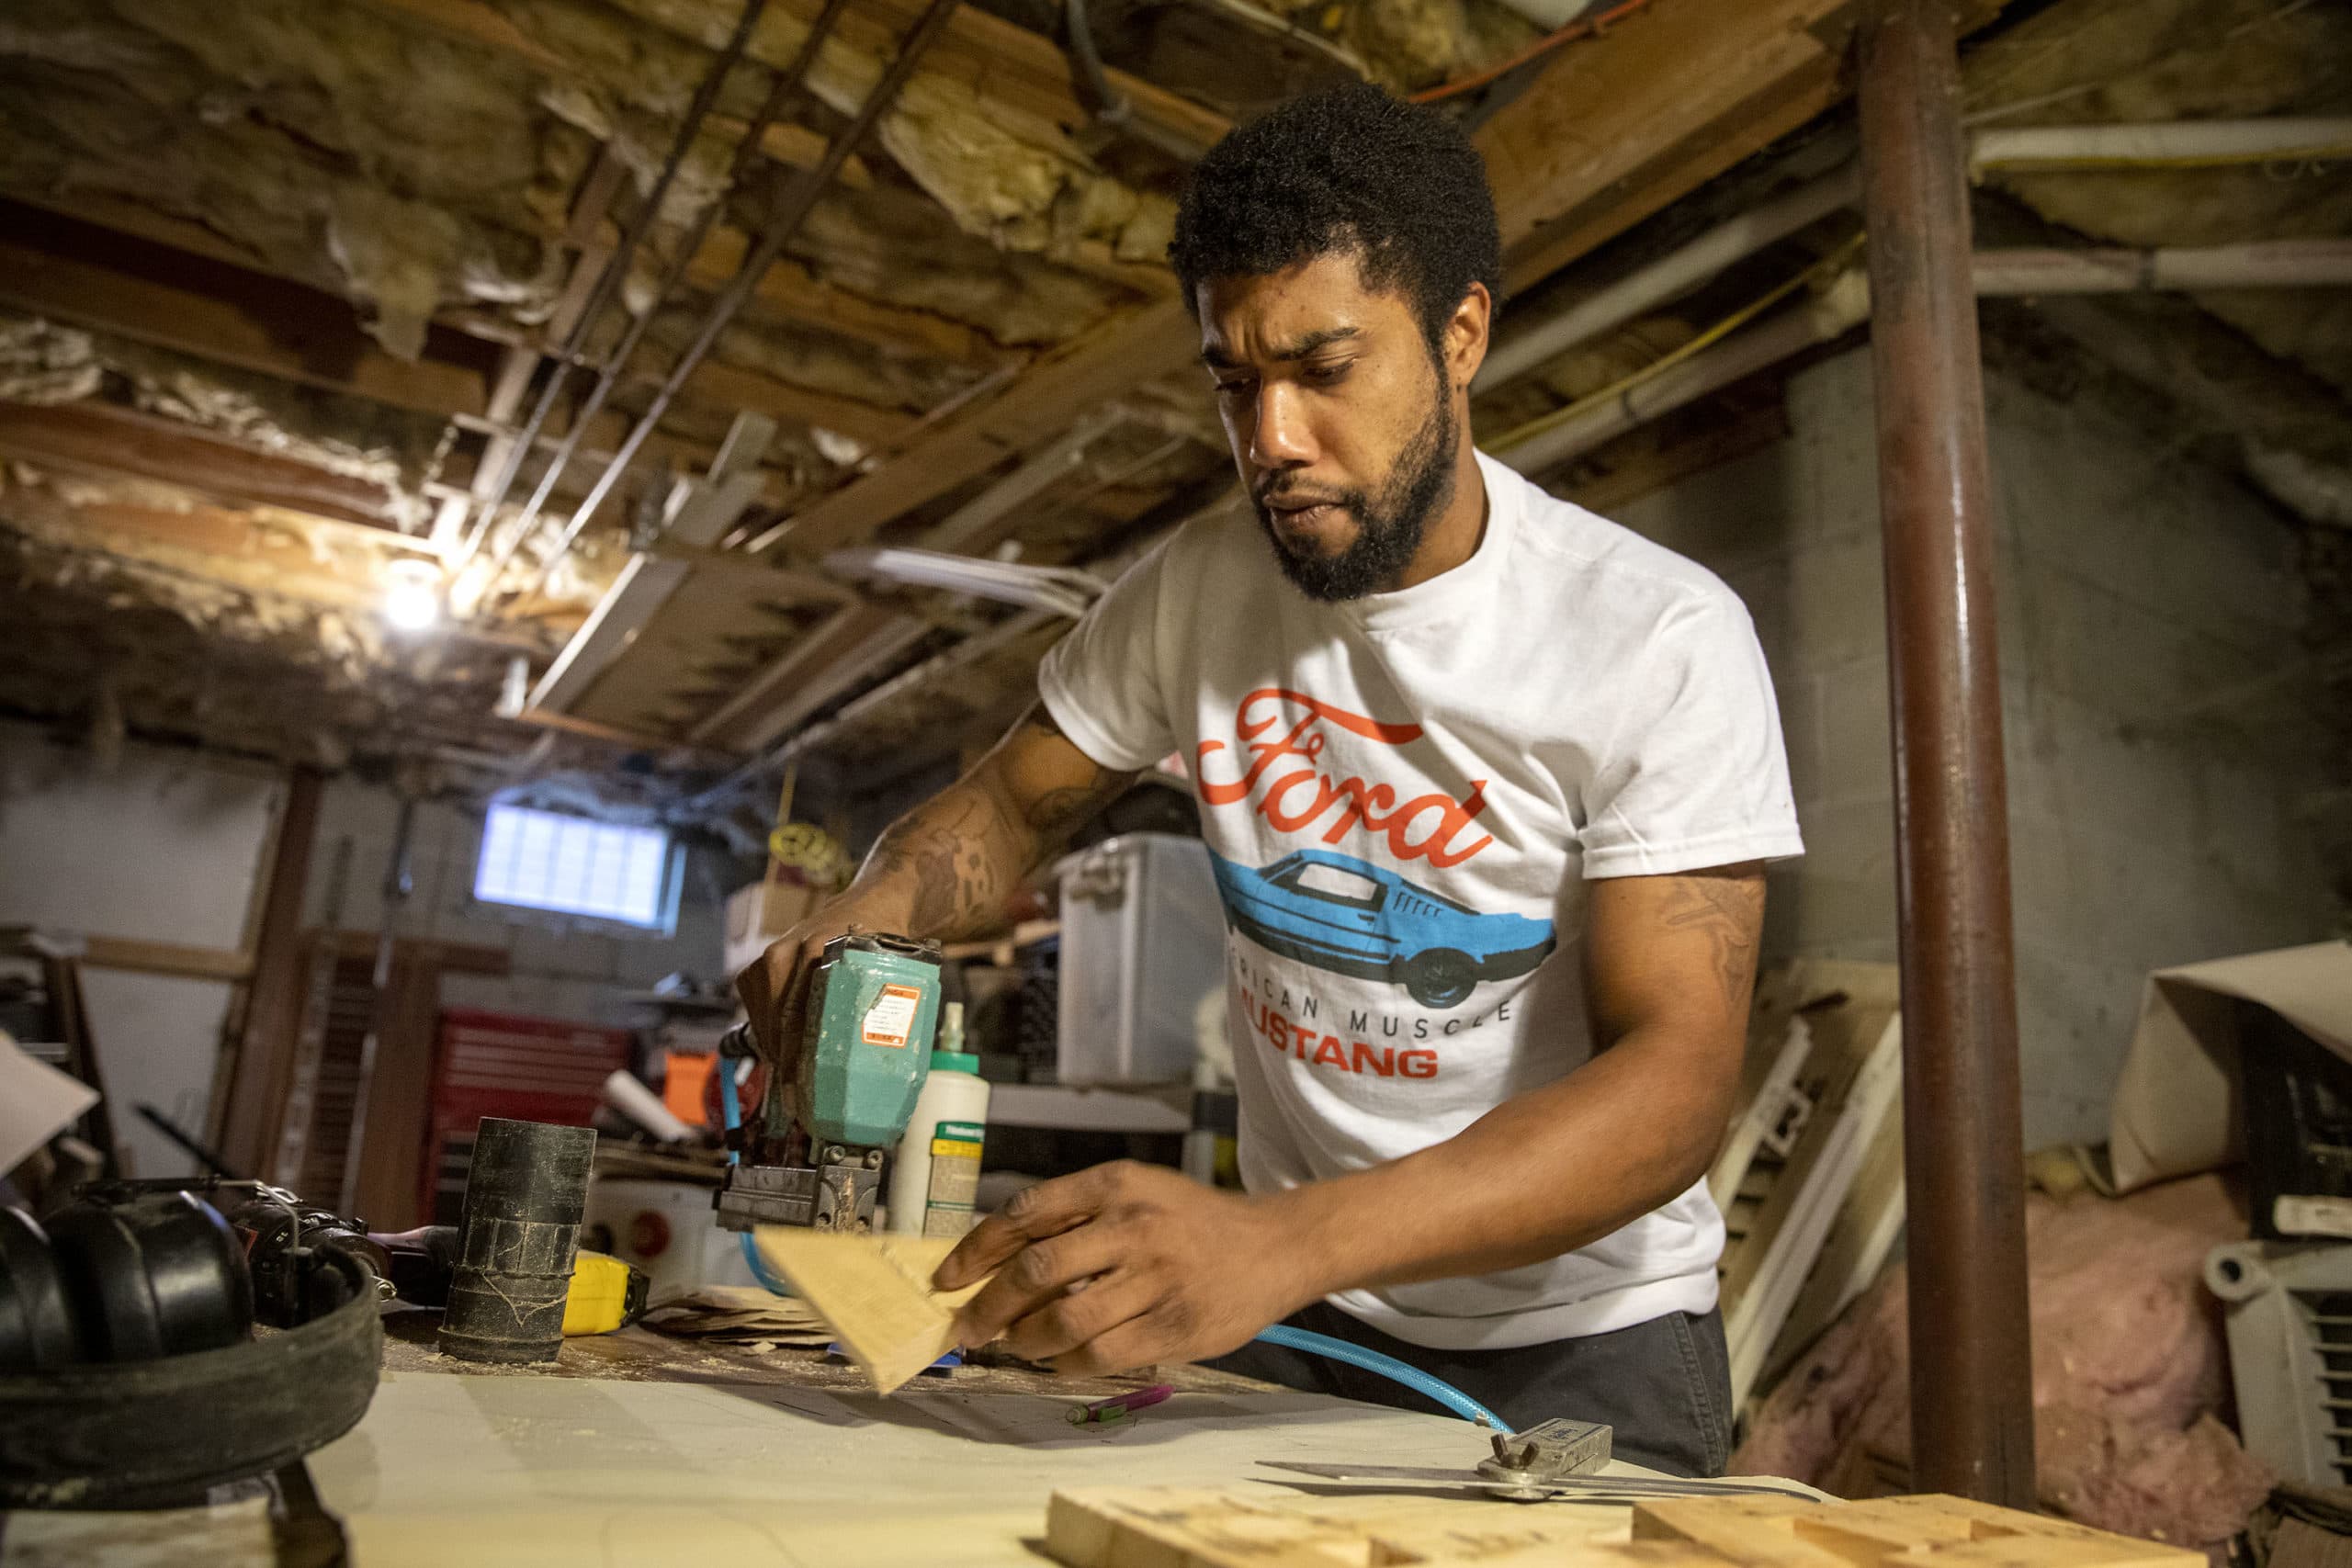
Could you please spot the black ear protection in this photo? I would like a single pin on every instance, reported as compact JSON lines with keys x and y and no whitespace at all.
{"x":120,"y":1277}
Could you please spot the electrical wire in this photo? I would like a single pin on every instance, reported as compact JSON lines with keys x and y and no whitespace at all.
{"x":1389,"y":1366}
{"x":1583,"y":26}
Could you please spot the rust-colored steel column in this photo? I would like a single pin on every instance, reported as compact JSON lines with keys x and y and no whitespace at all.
{"x":1972,"y":1393}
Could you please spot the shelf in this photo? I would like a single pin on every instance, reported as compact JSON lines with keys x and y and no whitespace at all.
{"x":1091,"y":1110}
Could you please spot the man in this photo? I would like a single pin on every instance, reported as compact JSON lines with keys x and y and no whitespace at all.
{"x":1489,"y":783}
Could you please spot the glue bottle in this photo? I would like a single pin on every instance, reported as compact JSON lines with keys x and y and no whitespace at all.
{"x":935,"y":1179}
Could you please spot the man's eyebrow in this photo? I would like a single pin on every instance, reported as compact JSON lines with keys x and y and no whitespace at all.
{"x":1215,"y":357}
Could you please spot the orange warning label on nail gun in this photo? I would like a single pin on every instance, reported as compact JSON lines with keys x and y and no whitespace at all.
{"x":891,"y":1019}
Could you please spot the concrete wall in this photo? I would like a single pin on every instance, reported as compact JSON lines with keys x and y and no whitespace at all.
{"x":2156,"y":775}
{"x":162,"y":848}
{"x":167,"y":846}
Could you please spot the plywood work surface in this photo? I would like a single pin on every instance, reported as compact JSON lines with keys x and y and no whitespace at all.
{"x":495,"y":1470}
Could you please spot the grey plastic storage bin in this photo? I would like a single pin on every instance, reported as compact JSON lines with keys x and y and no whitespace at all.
{"x":1143,"y":936}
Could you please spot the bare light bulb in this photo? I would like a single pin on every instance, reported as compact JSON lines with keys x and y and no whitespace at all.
{"x":412,"y":596}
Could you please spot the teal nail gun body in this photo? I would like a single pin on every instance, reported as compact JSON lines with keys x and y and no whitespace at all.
{"x":814,"y":1157}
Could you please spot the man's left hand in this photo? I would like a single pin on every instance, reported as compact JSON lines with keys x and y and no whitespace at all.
{"x":1123,"y":1266}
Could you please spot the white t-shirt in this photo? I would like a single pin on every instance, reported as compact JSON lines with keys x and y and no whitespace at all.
{"x":1405,"y":795}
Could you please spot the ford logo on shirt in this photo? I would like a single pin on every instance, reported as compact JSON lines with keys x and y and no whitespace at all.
{"x":1350,"y":916}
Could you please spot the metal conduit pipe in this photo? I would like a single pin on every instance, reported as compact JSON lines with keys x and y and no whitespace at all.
{"x":1673,"y":275}
{"x":2283,"y":263}
{"x":747,"y":152}
{"x":616,"y":269}
{"x":791,"y":206}
{"x":2177,"y":143}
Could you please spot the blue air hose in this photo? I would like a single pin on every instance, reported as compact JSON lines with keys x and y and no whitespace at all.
{"x":730,"y":1112}
{"x":1389,"y":1366}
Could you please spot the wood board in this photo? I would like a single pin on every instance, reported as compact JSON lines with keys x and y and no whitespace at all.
{"x":876,"y":1292}
{"x":1188,"y":1528}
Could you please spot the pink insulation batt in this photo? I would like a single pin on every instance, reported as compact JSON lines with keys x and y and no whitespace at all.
{"x":2130,"y":1373}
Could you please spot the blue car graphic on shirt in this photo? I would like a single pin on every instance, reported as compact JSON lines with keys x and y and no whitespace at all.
{"x":1354,"y":918}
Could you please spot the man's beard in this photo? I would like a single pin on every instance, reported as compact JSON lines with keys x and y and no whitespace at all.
{"x":1388,"y":527}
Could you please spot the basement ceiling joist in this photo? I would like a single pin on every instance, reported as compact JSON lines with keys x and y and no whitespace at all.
{"x":1609,"y":132}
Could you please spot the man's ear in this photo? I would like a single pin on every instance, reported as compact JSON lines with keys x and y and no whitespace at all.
{"x":1466,"y":334}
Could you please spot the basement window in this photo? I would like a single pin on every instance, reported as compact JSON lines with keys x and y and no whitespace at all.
{"x":569,"y":865}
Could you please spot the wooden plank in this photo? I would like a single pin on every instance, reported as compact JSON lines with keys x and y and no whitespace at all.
{"x":875,"y":1291}
{"x":1782,"y":107}
{"x":1928,"y":1531}
{"x":400,"y":1099}
{"x":1177,"y":1527}
{"x":165,"y":958}
{"x":1847,"y":1008}
{"x":105,"y":438}
{"x":264,"y":1053}
{"x":1820,"y":1173}
{"x":299,"y":345}
{"x":1861,"y":1240}
{"x":1624,"y":116}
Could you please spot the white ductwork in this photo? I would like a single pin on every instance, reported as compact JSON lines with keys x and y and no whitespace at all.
{"x":2184,"y":143}
{"x":1671,"y":275}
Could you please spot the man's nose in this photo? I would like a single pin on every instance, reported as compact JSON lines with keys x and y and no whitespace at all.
{"x":1279,"y":437}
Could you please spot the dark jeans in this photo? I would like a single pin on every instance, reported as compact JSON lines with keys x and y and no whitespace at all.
{"x":1664,"y":1385}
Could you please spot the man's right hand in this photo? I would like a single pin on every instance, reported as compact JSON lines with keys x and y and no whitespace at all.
{"x":775,"y":988}
{"x":944,"y":868}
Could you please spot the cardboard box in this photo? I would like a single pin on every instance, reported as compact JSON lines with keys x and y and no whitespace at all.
{"x":759,"y":914}
{"x":2177,"y":1110}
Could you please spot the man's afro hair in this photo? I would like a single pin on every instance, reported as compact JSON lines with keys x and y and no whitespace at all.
{"x":1345,"y":169}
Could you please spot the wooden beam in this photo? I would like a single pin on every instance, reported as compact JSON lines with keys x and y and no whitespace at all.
{"x":299,"y":342}
{"x":141,"y":957}
{"x":105,"y":438}
{"x":295,"y":332}
{"x":1040,"y":404}
{"x":1619,"y":126}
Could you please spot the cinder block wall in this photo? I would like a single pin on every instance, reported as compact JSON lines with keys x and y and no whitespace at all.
{"x":2159,"y":761}
{"x":559,"y":968}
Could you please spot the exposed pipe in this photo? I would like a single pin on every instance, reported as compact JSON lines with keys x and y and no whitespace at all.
{"x":747,"y":152}
{"x":1971,"y":1351}
{"x":1671,"y":275}
{"x":793,"y":200}
{"x":2183,"y":143}
{"x":1840,"y":308}
{"x":2268,"y":264}
{"x":1543,"y":445}
{"x":616,"y":270}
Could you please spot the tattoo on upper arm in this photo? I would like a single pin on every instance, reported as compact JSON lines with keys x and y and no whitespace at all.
{"x":1729,"y":912}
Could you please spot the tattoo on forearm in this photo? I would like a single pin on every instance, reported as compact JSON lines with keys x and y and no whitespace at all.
{"x":1729,"y":912}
